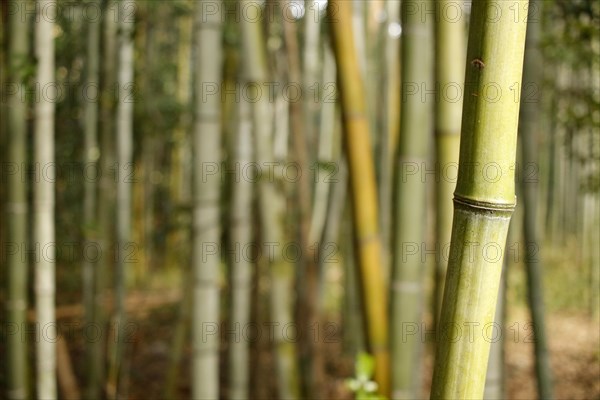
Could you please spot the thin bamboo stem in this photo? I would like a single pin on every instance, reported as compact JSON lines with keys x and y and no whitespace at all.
{"x":364,"y":191}
{"x":529,"y":131}
{"x":241,"y":266}
{"x":43,"y":210}
{"x":16,"y":208}
{"x":449,"y":68}
{"x":272,"y":199}
{"x":410,"y":203}
{"x":91,"y":156}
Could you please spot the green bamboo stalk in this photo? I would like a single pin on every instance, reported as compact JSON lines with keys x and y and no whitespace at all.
{"x":206,"y":203}
{"x":496,"y":375}
{"x":107,"y":189}
{"x":483,"y":200}
{"x":272,"y":197}
{"x":551,"y":178}
{"x":180,"y":152}
{"x":106,"y":225}
{"x":529,"y":127}
{"x":494,"y":380}
{"x":91,"y":155}
{"x":389,"y":125}
{"x":353,"y":320}
{"x":411,"y":159}
{"x":449,"y":70}
{"x":329,"y":196}
{"x":43,"y":200}
{"x":364,"y":191}
{"x":124,"y":144}
{"x":241,"y":267}
{"x":16,"y":207}
{"x":325,"y":146}
{"x":310,"y":69}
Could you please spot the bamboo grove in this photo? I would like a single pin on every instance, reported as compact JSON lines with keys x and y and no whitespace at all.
{"x":286,"y":199}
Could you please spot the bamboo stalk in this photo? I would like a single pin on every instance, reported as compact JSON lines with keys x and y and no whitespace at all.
{"x":325,"y":147}
{"x":411,"y":159}
{"x":179,"y":195}
{"x":390,"y":125}
{"x":124,"y":144}
{"x":43,"y":210}
{"x":312,"y":362}
{"x":311,"y":66}
{"x":16,"y":208}
{"x":495,"y":380}
{"x":206,"y":211}
{"x":180,"y":151}
{"x":272,"y":202}
{"x":331,"y":180}
{"x":529,"y":118}
{"x":241,"y":267}
{"x":107,"y":188}
{"x":364,"y":191}
{"x":483,"y":201}
{"x":449,"y":69}
{"x":91,"y":155}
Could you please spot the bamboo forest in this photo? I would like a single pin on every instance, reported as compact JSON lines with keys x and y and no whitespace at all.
{"x":299,"y":199}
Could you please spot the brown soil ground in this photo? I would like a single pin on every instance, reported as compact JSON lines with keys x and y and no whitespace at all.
{"x":574,"y":346}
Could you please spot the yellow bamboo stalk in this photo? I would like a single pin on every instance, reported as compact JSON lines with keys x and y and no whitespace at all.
{"x":364,"y":191}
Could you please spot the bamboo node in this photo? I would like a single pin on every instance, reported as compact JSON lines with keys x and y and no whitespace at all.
{"x":483,"y":205}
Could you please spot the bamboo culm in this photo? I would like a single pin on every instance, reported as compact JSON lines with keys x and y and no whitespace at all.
{"x":408,"y":267}
{"x":124,"y":144}
{"x":364,"y":191}
{"x":43,"y":210}
{"x":206,"y":229}
{"x":16,"y":210}
{"x":272,"y":198}
{"x":241,"y":268}
{"x":529,"y":118}
{"x":449,"y":70}
{"x":91,"y":156}
{"x":482,"y":206}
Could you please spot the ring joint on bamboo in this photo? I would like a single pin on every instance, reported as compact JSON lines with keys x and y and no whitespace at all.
{"x":474,"y":205}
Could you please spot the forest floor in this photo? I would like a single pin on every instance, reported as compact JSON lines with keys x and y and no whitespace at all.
{"x":574,"y":347}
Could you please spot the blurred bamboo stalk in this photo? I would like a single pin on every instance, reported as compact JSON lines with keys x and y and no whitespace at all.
{"x":272,"y":199}
{"x":43,"y":205}
{"x":364,"y":191}
{"x":412,"y":158}
{"x":106,"y":221}
{"x":450,"y":48}
{"x":124,"y":143}
{"x":206,"y":231}
{"x":16,"y":206}
{"x":90,"y":223}
{"x":241,"y":266}
{"x":179,"y":235}
{"x":390,"y":125}
{"x":529,"y":126}
{"x":495,"y":380}
{"x":311,"y":356}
